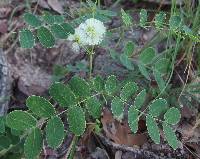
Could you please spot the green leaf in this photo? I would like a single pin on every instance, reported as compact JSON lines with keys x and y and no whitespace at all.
{"x":20,"y":120}
{"x":33,"y":144}
{"x":114,"y":55}
{"x":5,"y":142}
{"x":2,"y":124}
{"x":80,"y":87}
{"x":45,"y":37}
{"x":58,"y":19}
{"x":143,"y":70}
{"x":159,"y":80}
{"x":143,"y":17}
{"x":162,"y":65}
{"x":107,"y":13}
{"x":157,"y":107}
{"x":128,"y":90}
{"x":55,"y":132}
{"x":172,"y":116}
{"x":133,"y":119}
{"x":76,"y":120}
{"x":129,"y":49}
{"x":111,"y":84}
{"x":59,"y":32}
{"x":126,"y":61}
{"x":175,"y":22}
{"x":40,"y":106}
{"x":48,"y":18}
{"x":26,"y":38}
{"x":94,"y":107}
{"x":32,"y":20}
{"x":187,"y":30}
{"x":68,"y":28}
{"x":98,"y":84}
{"x":117,"y":108}
{"x":147,"y":55}
{"x":62,"y":94}
{"x":170,"y":136}
{"x":153,"y":129}
{"x":140,"y":99}
{"x":126,"y":18}
{"x":159,"y":20}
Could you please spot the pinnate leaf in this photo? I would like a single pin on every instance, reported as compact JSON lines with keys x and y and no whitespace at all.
{"x":94,"y":107}
{"x":62,"y":94}
{"x":76,"y":120}
{"x":153,"y":129}
{"x":157,"y":107}
{"x":126,"y":18}
{"x":170,"y":136}
{"x":111,"y":84}
{"x":40,"y":106}
{"x":159,"y":20}
{"x":80,"y":87}
{"x":128,"y":90}
{"x":117,"y":108}
{"x":32,"y":20}
{"x":20,"y":120}
{"x":133,"y":119}
{"x":45,"y":37}
{"x":175,"y":22}
{"x":33,"y":144}
{"x":147,"y":55}
{"x":55,"y":132}
{"x":140,"y":99}
{"x":172,"y":116}
{"x":143,"y":17}
{"x":26,"y":38}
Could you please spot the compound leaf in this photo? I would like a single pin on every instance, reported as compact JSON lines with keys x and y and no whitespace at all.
{"x":129,"y":48}
{"x":172,"y":116}
{"x":111,"y":84}
{"x":40,"y":106}
{"x":62,"y":94}
{"x":126,"y":18}
{"x":170,"y":136}
{"x":128,"y":90}
{"x":26,"y":38}
{"x":159,"y":20}
{"x":94,"y":107}
{"x":153,"y":129}
{"x":68,"y":28}
{"x":157,"y":107}
{"x":33,"y":144}
{"x":175,"y":22}
{"x":80,"y":87}
{"x":133,"y":119}
{"x":76,"y":120}
{"x":143,"y":17}
{"x":139,"y":100}
{"x":59,"y":32}
{"x":32,"y":20}
{"x":117,"y":108}
{"x":98,"y":84}
{"x":147,"y":55}
{"x":45,"y":37}
{"x":55,"y":132}
{"x":20,"y":120}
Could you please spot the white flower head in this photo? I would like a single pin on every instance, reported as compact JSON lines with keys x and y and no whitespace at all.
{"x":78,"y":37}
{"x":94,"y":30}
{"x":76,"y":47}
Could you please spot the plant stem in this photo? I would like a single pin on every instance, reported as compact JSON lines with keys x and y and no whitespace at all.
{"x":91,"y":58}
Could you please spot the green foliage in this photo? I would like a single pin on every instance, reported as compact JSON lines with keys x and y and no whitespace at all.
{"x":170,"y":136}
{"x":143,"y":70}
{"x":147,"y":55}
{"x":140,"y":99}
{"x":80,"y":87}
{"x":159,"y":20}
{"x":40,"y":106}
{"x":157,"y":107}
{"x":153,"y":129}
{"x":159,"y":80}
{"x":128,"y":90}
{"x":126,"y":18}
{"x":162,"y":65}
{"x":76,"y":120}
{"x":45,"y":37}
{"x":126,"y":61}
{"x":52,"y":19}
{"x":54,"y":132}
{"x":59,"y":32}
{"x":62,"y":94}
{"x":94,"y":107}
{"x":32,"y":20}
{"x":133,"y":119}
{"x":26,"y":38}
{"x":175,"y":22}
{"x":98,"y":84}
{"x":20,"y":120}
{"x":33,"y":144}
{"x":129,"y":48}
{"x":143,"y":17}
{"x":172,"y":116}
{"x":2,"y":124}
{"x":111,"y":84}
{"x":117,"y":108}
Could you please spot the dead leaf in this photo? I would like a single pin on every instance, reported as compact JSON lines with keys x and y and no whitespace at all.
{"x":119,"y":133}
{"x":3,"y":26}
{"x":56,"y":5}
